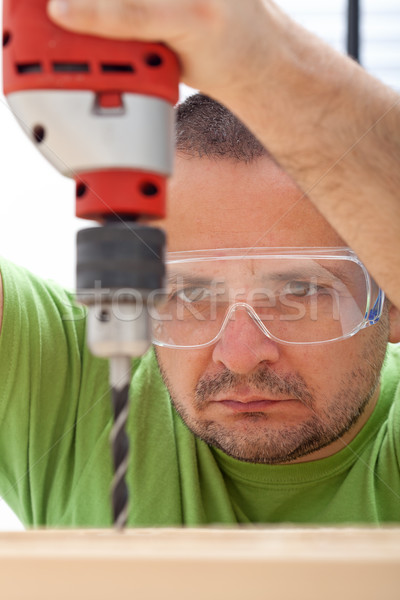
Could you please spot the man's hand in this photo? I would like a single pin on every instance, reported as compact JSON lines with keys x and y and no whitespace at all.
{"x":213,"y":38}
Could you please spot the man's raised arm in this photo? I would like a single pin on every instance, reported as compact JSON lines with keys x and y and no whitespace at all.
{"x":334,"y":128}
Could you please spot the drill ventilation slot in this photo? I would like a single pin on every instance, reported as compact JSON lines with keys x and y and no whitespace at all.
{"x":63,"y":67}
{"x":117,"y":68}
{"x":27,"y":68}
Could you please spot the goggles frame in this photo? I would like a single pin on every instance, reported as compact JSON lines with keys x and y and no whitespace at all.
{"x":371,"y":317}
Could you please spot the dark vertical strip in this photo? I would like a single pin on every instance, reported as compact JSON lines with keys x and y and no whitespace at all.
{"x":353,"y":29}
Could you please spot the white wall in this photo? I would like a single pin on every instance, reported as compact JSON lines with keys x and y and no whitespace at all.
{"x":380,"y":31}
{"x":37,"y":223}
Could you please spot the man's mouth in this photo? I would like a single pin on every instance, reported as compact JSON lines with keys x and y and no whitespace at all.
{"x":250,"y":403}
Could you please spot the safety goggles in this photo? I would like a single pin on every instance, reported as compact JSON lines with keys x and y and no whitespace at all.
{"x":293,"y":295}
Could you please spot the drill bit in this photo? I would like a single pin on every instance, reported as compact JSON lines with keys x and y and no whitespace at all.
{"x":120,"y":375}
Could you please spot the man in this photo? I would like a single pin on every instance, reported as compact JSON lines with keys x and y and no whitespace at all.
{"x":290,"y":424}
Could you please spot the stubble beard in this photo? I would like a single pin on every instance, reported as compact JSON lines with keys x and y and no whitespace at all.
{"x":257,"y":440}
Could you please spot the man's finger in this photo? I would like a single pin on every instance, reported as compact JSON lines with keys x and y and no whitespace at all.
{"x":112,"y":18}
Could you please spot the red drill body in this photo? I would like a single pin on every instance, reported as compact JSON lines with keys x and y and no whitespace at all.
{"x":113,"y":79}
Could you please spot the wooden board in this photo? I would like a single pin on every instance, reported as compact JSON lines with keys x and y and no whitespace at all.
{"x":201,"y":564}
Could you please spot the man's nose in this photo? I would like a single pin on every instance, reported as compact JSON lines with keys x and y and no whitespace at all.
{"x":242,"y":345}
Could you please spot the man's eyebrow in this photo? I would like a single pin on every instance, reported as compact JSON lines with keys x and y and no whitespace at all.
{"x":188,"y":279}
{"x":334,"y":274}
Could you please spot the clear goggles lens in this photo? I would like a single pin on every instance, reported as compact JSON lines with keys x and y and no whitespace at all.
{"x":294,"y":295}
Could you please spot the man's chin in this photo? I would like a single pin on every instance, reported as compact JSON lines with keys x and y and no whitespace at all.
{"x":255,"y":443}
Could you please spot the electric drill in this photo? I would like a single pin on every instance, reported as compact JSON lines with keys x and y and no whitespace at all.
{"x":101,"y":111}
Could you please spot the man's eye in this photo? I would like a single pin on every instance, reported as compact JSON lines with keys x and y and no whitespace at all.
{"x":300,"y":289}
{"x":192,"y":294}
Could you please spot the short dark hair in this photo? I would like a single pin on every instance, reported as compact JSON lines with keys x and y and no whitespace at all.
{"x":205,"y":128}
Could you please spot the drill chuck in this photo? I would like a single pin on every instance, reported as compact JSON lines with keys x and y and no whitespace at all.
{"x":120,"y":277}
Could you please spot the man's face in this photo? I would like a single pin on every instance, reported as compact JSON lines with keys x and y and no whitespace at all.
{"x":256,"y":399}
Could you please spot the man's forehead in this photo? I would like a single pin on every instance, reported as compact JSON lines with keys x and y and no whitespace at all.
{"x":218,"y":203}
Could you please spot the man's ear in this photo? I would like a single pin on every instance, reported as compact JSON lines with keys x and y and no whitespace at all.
{"x":394,"y":320}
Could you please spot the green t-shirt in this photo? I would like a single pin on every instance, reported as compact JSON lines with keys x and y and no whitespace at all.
{"x":55,"y":420}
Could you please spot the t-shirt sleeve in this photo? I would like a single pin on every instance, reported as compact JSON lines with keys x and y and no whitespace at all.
{"x":49,"y":386}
